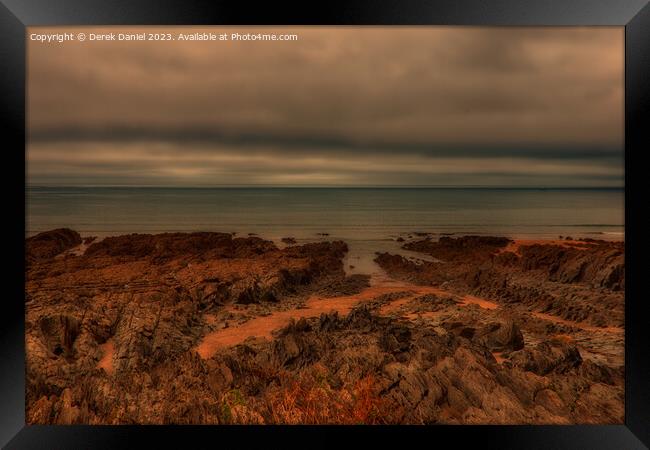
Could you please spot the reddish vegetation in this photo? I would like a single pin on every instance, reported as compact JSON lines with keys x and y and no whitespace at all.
{"x":307,"y":399}
{"x":209,"y":328}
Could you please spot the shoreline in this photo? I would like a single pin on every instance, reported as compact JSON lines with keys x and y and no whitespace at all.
{"x":311,"y":236}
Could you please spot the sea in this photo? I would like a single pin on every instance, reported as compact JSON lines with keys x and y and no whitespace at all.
{"x":368,"y":219}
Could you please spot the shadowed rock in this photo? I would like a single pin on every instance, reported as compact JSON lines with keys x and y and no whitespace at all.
{"x":50,"y":243}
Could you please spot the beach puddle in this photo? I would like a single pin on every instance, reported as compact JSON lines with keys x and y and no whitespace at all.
{"x":80,"y":249}
{"x":361,"y":255}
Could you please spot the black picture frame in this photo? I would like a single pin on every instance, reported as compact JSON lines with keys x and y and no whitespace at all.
{"x":16,"y":15}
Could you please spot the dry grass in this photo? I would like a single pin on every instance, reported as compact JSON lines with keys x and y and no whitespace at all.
{"x":308,"y":398}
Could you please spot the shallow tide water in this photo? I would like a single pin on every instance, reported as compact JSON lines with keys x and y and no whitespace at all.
{"x":368,"y":219}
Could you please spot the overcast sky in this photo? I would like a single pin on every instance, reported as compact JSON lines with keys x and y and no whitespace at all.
{"x":341,"y":106}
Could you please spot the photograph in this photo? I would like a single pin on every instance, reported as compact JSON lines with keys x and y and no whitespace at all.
{"x":325,"y":225}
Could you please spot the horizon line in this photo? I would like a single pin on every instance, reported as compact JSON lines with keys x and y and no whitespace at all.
{"x":275,"y":186}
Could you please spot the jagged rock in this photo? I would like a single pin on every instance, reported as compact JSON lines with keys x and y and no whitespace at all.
{"x":500,"y":336}
{"x":350,"y":285}
{"x":575,"y":282}
{"x":50,"y":243}
{"x":550,"y":356}
{"x":220,"y":376}
{"x":395,"y":339}
{"x":59,"y":333}
{"x":330,"y":321}
{"x":143,"y":294}
{"x":148,"y":298}
{"x":449,"y":248}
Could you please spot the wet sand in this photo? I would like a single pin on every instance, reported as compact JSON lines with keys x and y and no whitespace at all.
{"x":262,"y":327}
{"x":106,"y":362}
{"x":472,"y":300}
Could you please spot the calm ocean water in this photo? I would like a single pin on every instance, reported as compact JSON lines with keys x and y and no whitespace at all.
{"x":368,"y":218}
{"x":349,"y":213}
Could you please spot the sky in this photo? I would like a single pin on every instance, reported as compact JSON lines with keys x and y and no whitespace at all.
{"x":341,"y":106}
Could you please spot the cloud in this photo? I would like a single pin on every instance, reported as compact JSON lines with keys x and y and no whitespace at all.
{"x":163,"y":163}
{"x":527,"y":103}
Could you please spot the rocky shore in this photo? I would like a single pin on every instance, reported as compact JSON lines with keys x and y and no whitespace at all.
{"x":210,"y":328}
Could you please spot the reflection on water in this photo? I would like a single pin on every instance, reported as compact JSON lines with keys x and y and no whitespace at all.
{"x":356,"y":215}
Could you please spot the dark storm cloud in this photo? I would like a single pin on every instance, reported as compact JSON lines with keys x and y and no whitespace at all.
{"x":206,"y":139}
{"x":371,"y":105}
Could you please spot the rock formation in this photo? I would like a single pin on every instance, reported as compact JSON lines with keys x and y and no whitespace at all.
{"x":112,"y":329}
